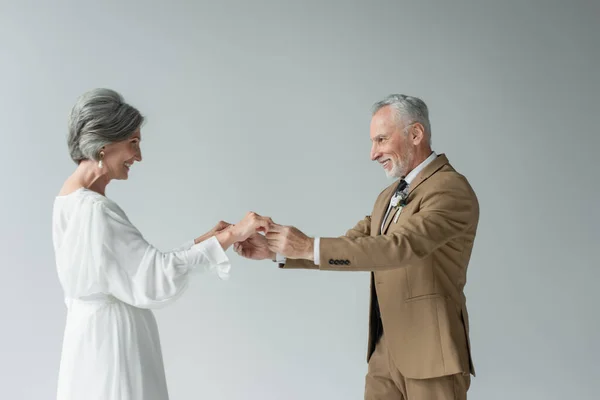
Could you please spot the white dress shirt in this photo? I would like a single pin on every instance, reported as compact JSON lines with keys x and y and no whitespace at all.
{"x":409,"y":178}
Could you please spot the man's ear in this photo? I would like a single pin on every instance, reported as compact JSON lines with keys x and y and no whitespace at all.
{"x":417,"y":133}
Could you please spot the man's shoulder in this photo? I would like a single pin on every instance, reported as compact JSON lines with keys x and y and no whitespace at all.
{"x":447,"y":178}
{"x":449,"y":174}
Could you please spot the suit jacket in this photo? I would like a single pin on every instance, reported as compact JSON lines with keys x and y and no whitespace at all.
{"x":418,"y":267}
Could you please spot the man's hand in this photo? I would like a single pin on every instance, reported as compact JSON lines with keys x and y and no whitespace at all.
{"x":254,"y":248}
{"x":290,"y":242}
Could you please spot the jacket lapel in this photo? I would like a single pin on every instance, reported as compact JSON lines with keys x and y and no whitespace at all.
{"x":429,"y":170}
{"x":382,"y":205}
{"x":389,"y":218}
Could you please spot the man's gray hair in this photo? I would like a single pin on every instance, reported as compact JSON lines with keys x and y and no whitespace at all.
{"x":100,"y":117}
{"x":408,"y":109}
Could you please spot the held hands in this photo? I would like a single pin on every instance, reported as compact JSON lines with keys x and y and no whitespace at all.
{"x":258,"y":238}
{"x":285,"y":240}
{"x":251,"y":224}
{"x":254,"y":248}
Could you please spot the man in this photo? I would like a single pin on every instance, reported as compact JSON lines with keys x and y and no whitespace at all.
{"x":417,"y":244}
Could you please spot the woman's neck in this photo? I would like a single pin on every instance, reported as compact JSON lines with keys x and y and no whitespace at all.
{"x":89,"y":176}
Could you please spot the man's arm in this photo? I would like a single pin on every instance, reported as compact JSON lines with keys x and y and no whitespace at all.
{"x":444,"y":215}
{"x":362,"y":228}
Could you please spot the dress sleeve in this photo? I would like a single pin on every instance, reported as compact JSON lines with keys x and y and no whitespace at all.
{"x":136,"y":272}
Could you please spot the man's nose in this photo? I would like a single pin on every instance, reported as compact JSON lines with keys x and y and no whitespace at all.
{"x":375,"y":154}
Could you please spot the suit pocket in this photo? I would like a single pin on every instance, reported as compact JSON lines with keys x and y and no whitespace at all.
{"x":424,"y":297}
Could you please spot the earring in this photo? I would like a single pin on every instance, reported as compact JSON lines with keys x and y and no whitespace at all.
{"x":100,"y":164}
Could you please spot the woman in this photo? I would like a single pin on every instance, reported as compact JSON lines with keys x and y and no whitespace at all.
{"x":111,"y":276}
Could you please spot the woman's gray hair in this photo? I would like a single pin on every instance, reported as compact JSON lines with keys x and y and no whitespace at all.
{"x":408,"y":109}
{"x":100,"y":117}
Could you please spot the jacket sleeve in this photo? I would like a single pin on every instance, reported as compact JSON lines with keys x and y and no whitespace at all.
{"x":361,"y":229}
{"x":443,"y":215}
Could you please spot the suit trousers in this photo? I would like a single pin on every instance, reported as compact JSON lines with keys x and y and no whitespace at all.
{"x":385,"y":382}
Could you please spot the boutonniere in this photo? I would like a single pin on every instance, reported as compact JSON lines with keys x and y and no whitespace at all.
{"x":399,"y":201}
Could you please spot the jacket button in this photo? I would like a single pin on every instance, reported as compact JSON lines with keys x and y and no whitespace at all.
{"x":331,"y":262}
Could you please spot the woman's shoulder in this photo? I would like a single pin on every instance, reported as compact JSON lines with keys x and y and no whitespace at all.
{"x":103,"y":203}
{"x":84,"y":198}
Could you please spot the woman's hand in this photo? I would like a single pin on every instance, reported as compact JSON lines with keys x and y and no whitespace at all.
{"x":249,"y":225}
{"x":218,"y":228}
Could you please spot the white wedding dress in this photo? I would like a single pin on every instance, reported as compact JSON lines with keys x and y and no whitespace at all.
{"x":111,"y":278}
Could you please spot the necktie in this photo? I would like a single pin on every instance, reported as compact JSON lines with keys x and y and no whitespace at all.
{"x":401,"y":186}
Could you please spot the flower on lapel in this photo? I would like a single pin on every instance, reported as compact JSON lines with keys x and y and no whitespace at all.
{"x":399,"y":198}
{"x":399,"y":201}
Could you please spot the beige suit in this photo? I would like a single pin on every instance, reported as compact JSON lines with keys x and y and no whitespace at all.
{"x":419,"y":267}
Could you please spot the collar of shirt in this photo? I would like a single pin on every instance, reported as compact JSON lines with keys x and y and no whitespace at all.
{"x":412,"y":174}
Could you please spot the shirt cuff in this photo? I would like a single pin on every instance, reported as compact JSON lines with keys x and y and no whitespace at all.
{"x":186,"y":246}
{"x":215,"y":260}
{"x":279,"y":259}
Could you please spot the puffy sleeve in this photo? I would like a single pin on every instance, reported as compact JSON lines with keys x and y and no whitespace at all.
{"x":136,"y":272}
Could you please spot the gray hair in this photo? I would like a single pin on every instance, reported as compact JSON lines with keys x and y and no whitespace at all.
{"x":100,"y":117}
{"x":408,"y":109}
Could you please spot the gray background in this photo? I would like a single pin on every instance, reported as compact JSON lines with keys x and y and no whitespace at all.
{"x":264,"y":106}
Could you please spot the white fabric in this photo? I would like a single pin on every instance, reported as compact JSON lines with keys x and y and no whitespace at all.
{"x":111,"y":278}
